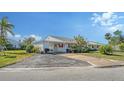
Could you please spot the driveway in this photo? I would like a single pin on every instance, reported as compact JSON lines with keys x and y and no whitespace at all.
{"x":49,"y":60}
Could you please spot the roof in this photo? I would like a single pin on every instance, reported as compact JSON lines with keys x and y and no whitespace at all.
{"x":94,"y":43}
{"x":66,"y":40}
{"x":60,"y":39}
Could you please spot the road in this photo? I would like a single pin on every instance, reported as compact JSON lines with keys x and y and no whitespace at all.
{"x":57,"y":68}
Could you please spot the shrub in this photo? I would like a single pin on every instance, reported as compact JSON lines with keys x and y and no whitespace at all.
{"x":121,"y":46}
{"x":36,"y":50}
{"x":29,"y":48}
{"x":106,"y":49}
{"x":23,"y":46}
{"x":79,"y":49}
{"x":85,"y":49}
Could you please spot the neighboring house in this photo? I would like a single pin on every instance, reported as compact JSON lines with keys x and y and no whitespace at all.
{"x":93,"y":45}
{"x":60,"y":44}
{"x":15,"y":43}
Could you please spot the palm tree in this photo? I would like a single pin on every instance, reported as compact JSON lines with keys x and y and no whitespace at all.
{"x":5,"y":28}
{"x":80,"y":41}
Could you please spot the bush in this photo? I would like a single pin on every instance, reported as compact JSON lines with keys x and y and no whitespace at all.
{"x":23,"y":46}
{"x":29,"y":48}
{"x":121,"y":46}
{"x":36,"y":50}
{"x":85,"y":49}
{"x":79,"y":49}
{"x":106,"y":49}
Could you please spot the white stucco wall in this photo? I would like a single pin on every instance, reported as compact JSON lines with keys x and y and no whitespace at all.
{"x":50,"y":45}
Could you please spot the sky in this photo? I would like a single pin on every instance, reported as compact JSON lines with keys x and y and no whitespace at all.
{"x":91,"y":25}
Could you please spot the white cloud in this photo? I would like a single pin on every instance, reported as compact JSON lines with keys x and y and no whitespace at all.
{"x":105,"y":19}
{"x":109,"y":21}
{"x":18,"y":37}
{"x":116,"y":27}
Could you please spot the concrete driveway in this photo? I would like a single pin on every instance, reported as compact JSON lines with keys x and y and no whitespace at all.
{"x":48,"y":60}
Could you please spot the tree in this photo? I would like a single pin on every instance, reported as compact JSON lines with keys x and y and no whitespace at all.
{"x":5,"y":28}
{"x":106,"y":49}
{"x":81,"y":45}
{"x":108,"y":36}
{"x":29,"y":40}
{"x":121,"y":46}
{"x":116,"y":39}
{"x":117,"y":33}
{"x":26,"y":42}
{"x":80,"y":41}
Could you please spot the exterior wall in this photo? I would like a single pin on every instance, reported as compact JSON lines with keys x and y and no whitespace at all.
{"x":51,"y":45}
{"x":63,"y":49}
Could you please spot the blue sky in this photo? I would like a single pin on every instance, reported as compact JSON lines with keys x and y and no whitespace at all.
{"x":91,"y":25}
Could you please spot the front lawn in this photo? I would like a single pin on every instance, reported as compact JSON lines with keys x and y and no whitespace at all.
{"x":12,"y":57}
{"x":115,"y":56}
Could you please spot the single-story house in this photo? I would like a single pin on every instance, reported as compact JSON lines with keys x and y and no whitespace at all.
{"x":60,"y":44}
{"x":15,"y":43}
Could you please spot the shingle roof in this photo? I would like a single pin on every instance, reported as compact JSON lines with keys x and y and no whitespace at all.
{"x":64,"y":39}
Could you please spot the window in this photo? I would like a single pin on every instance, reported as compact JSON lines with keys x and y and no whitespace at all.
{"x":61,"y":45}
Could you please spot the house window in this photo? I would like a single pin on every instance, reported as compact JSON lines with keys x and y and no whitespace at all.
{"x":61,"y":45}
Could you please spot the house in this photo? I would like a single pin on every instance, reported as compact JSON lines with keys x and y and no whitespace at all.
{"x":15,"y":43}
{"x":93,"y":45}
{"x":58,"y":44}
{"x":55,"y":44}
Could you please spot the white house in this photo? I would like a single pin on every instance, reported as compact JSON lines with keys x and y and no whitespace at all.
{"x":15,"y":43}
{"x":60,"y":44}
{"x":55,"y":44}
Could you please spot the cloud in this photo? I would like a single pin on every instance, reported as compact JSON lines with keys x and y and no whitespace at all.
{"x":109,"y":21}
{"x":105,"y":19}
{"x":18,"y":37}
{"x":116,"y":27}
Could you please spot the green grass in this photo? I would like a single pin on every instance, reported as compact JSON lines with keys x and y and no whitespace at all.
{"x":115,"y":56}
{"x":12,"y":56}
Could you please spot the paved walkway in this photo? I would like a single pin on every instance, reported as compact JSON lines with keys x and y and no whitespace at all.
{"x":96,"y":62}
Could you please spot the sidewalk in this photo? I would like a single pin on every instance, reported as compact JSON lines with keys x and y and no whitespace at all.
{"x":95,"y":62}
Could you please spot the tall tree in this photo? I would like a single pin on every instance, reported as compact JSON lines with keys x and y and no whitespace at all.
{"x":29,"y":40}
{"x":108,"y":36}
{"x":5,"y":28}
{"x":117,"y":33}
{"x":80,"y":40}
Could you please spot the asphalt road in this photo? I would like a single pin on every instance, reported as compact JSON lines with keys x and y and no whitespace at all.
{"x":57,"y":68}
{"x":63,"y":74}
